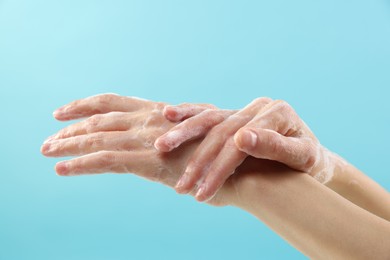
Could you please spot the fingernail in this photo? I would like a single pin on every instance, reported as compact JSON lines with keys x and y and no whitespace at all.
{"x":171,"y":113}
{"x":49,"y":138}
{"x":201,"y":192}
{"x":57,"y":112}
{"x":60,"y":111}
{"x":172,"y":140}
{"x":248,"y":139}
{"x":45,"y":148}
{"x":182,"y":182}
{"x":166,"y":109}
{"x":157,"y":144}
{"x":160,"y":145}
{"x":62,"y":168}
{"x":49,"y":147}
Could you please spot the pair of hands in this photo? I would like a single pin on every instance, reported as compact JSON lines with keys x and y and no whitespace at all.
{"x":265,"y":129}
{"x":120,"y":133}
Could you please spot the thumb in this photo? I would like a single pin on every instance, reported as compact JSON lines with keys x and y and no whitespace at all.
{"x":297,"y":153}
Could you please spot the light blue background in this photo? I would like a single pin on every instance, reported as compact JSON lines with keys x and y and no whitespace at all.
{"x":329,"y":59}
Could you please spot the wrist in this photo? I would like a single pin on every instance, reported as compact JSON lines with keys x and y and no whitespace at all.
{"x":340,"y":171}
{"x":329,"y":166}
{"x":256,"y":178}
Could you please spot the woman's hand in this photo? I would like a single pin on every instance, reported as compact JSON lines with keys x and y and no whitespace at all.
{"x":118,"y":136}
{"x":264,"y":129}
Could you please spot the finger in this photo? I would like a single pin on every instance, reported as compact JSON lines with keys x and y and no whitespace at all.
{"x":280,"y":117}
{"x":113,"y":121}
{"x":84,"y":144}
{"x":223,"y":166}
{"x":109,"y":161}
{"x":208,"y":150}
{"x":184,"y":111}
{"x":98,"y":104}
{"x":278,"y":135}
{"x":198,"y":164}
{"x":190,"y":129}
{"x":297,"y":153}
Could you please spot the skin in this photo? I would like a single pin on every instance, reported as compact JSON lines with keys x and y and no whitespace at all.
{"x":269,"y":190}
{"x":264,"y":129}
{"x":117,"y":136}
{"x":289,"y":142}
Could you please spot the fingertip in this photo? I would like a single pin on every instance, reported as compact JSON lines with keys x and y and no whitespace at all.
{"x":57,"y":114}
{"x":185,"y":184}
{"x":45,"y":148}
{"x":161,"y":145}
{"x":67,"y":112}
{"x":62,"y":168}
{"x":245,"y":139}
{"x":171,"y":113}
{"x":60,"y":115}
{"x":181,"y":190}
{"x":50,"y":138}
{"x":60,"y":112}
{"x":200,"y":197}
{"x":202,"y":193}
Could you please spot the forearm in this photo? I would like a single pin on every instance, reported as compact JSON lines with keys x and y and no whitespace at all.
{"x":358,"y":188}
{"x":313,"y":218}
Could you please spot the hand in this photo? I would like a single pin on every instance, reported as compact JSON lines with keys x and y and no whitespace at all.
{"x":118,"y":136}
{"x":264,"y":129}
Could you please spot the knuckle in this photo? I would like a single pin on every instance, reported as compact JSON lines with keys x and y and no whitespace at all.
{"x":101,"y":99}
{"x":231,"y":144}
{"x":209,"y":106}
{"x":221,"y":115}
{"x":208,"y":112}
{"x":212,"y":115}
{"x":106,"y":98}
{"x":283,"y":106}
{"x":283,"y":113}
{"x":106,"y":159}
{"x":184,"y":105}
{"x":104,"y":101}
{"x":262,"y":100}
{"x":150,"y":139}
{"x":66,"y":133}
{"x":153,"y":120}
{"x":228,"y":113}
{"x":311,"y":158}
{"x":159,"y":106}
{"x":216,"y":132}
{"x":95,"y":141}
{"x":157,"y":112}
{"x":274,"y":144}
{"x":93,"y":122}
